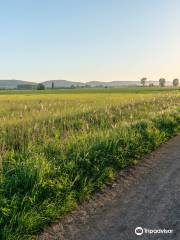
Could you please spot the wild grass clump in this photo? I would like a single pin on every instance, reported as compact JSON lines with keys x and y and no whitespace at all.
{"x":54,"y":161}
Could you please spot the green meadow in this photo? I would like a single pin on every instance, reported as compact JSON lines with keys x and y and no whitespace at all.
{"x":58,"y":146}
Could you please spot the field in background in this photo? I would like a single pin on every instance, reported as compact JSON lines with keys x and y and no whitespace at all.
{"x":58,"y":146}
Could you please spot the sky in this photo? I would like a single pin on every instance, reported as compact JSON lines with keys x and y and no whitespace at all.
{"x":97,"y":40}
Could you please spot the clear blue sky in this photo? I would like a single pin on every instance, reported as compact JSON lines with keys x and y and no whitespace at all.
{"x":89,"y":39}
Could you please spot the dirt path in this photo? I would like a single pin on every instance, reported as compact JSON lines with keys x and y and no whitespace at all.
{"x":147,"y":196}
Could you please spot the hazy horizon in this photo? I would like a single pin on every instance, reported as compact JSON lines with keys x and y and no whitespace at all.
{"x":138,"y":80}
{"x":85,"y":41}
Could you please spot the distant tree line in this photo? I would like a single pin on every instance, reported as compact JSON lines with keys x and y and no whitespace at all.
{"x":162,"y":82}
{"x":41,"y":86}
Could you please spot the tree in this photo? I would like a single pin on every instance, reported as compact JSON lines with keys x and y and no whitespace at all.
{"x":143,"y":81}
{"x":52,"y":85}
{"x":40,"y":86}
{"x":162,"y":82}
{"x":175,"y":82}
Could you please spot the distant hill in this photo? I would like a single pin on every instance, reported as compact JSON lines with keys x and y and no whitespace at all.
{"x":67,"y":84}
{"x":12,"y":84}
{"x":113,"y":83}
{"x":62,"y":83}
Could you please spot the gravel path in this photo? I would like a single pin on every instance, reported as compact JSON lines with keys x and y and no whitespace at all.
{"x":146,"y":195}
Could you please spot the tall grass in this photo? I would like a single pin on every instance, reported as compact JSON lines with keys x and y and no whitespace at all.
{"x":57,"y":149}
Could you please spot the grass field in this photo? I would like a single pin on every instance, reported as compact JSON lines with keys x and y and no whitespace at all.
{"x":58,"y":146}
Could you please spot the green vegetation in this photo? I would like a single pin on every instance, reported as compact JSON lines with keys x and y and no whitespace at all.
{"x":143,"y":81}
{"x":162,"y":82}
{"x":175,"y":82}
{"x":57,"y":147}
{"x":40,"y":86}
